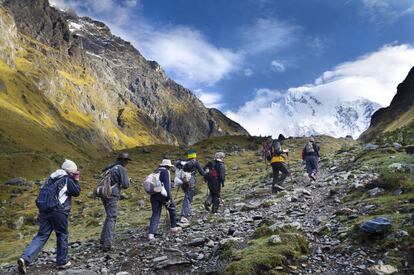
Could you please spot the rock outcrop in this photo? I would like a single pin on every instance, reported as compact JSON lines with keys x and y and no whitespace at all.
{"x":399,"y":114}
{"x":69,"y":74}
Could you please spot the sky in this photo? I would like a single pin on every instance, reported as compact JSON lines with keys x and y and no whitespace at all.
{"x":228,"y":51}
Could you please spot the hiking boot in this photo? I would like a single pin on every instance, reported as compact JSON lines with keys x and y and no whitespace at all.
{"x":106,"y":248}
{"x":21,"y":266}
{"x":206,"y":206}
{"x":151,"y":237}
{"x":184,"y":220}
{"x":64,"y":266}
{"x":176,"y":229}
{"x":276,"y":188}
{"x":313,"y":176}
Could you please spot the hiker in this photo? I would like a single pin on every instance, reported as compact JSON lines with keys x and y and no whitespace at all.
{"x":54,"y":203}
{"x":310,"y":154}
{"x":278,"y":162}
{"x":158,"y":201}
{"x":119,"y":180}
{"x":192,"y":166}
{"x":215,"y":179}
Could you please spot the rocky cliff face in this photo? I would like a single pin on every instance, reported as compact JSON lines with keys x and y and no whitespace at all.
{"x":70,"y":75}
{"x":399,"y":114}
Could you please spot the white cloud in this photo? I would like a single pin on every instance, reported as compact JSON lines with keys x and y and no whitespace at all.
{"x":269,"y":34}
{"x":188,"y":55}
{"x":184,"y":52}
{"x":211,"y":100}
{"x":248,"y":72}
{"x":374,"y":76}
{"x":387,"y":11}
{"x":277,"y":66}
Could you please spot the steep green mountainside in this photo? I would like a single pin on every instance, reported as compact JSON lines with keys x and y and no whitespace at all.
{"x":395,"y":122}
{"x":79,"y":95}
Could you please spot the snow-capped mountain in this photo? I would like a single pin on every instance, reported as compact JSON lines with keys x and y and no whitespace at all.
{"x":306,"y":114}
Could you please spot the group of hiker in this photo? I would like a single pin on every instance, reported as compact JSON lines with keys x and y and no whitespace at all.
{"x":54,"y":199}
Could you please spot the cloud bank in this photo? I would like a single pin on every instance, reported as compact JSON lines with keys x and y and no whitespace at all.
{"x":374,"y":76}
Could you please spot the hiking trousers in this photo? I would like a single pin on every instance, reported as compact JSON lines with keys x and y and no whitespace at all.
{"x":53,"y":221}
{"x":158,"y":202}
{"x":108,"y":229}
{"x":188,"y":199}
{"x":215,"y":189}
{"x":311,"y":164}
{"x":280,"y":172}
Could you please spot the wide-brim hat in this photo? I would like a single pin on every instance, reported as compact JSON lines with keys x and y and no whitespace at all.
{"x":166,"y":162}
{"x":123,"y":156}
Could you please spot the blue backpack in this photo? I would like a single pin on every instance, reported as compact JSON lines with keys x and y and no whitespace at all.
{"x":48,"y":198}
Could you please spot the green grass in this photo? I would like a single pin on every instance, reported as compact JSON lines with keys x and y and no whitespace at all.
{"x":260,"y":257}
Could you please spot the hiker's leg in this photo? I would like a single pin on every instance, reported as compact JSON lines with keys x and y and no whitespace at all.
{"x":110,"y":221}
{"x":173,"y":214}
{"x":216,"y":196}
{"x":275,"y":172}
{"x":315,"y":165}
{"x":308,"y":165}
{"x":60,"y":226}
{"x":36,"y":245}
{"x":105,"y":223}
{"x":156,"y":206}
{"x":283,"y":169}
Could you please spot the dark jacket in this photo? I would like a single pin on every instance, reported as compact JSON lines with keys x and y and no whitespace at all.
{"x":119,"y":178}
{"x":195,"y":167}
{"x":220,"y":168}
{"x":61,"y":178}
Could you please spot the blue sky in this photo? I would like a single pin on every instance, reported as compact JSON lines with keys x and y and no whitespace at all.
{"x":228,"y":50}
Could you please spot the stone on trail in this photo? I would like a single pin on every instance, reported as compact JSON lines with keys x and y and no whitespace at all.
{"x":18,"y":223}
{"x":376,"y":192}
{"x":160,"y":259}
{"x":381,"y":270}
{"x":77,"y":272}
{"x":197,"y":242}
{"x":123,"y":273}
{"x":378,"y":225}
{"x":16,"y":181}
{"x":396,"y":167}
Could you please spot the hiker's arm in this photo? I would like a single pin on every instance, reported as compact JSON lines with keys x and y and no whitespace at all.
{"x":222,"y":174}
{"x":123,"y":178}
{"x":73,"y":188}
{"x":165,"y":179}
{"x":199,"y":168}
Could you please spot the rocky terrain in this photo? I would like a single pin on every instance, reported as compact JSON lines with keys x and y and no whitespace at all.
{"x":310,"y":228}
{"x":80,"y":90}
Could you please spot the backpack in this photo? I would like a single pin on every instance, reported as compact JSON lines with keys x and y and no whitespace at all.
{"x":212,"y":174}
{"x":48,"y":198}
{"x":309,"y":148}
{"x":104,"y":187}
{"x":276,"y":148}
{"x":267,"y":150}
{"x":152,"y":184}
{"x":182,"y":177}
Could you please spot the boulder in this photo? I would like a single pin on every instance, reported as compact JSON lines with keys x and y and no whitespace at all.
{"x":275,"y":239}
{"x":18,"y":223}
{"x":396,"y":167}
{"x":397,"y":146}
{"x":378,"y":225}
{"x":370,"y":146}
{"x":197,"y":242}
{"x":16,"y":181}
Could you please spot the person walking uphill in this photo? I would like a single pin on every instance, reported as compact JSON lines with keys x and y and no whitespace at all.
{"x":54,"y":203}
{"x":215,"y":179}
{"x":119,"y":180}
{"x":191,"y":166}
{"x":310,"y":154}
{"x":278,"y":162}
{"x":158,"y":201}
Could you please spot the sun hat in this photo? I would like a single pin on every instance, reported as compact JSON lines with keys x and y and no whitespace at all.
{"x":166,"y":162}
{"x":123,"y":156}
